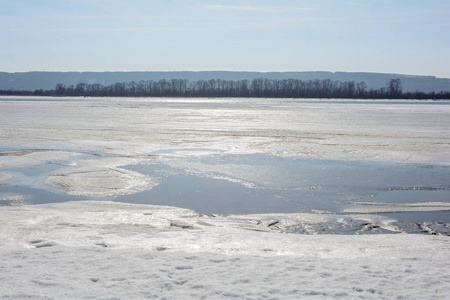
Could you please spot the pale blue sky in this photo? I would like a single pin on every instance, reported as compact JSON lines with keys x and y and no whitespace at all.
{"x":388,"y":36}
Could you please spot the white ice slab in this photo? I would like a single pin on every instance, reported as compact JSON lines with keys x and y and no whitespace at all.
{"x":375,"y":207}
{"x":4,"y":176}
{"x":100,"y":178}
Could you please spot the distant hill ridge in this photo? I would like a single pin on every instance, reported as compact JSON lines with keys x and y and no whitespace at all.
{"x":31,"y":81}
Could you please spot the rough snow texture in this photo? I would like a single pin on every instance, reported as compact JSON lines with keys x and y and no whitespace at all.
{"x":12,"y":200}
{"x":117,"y":251}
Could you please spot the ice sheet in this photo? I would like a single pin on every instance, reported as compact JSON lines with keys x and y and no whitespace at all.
{"x":404,"y":131}
{"x":104,"y":249}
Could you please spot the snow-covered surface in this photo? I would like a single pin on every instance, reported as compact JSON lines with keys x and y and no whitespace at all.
{"x":416,"y":132}
{"x":110,"y":250}
{"x":12,"y":200}
{"x":107,"y":250}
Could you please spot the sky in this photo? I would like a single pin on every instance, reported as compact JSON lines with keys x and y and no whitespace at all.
{"x":384,"y":36}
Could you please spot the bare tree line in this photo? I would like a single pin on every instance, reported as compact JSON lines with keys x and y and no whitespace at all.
{"x":258,"y":88}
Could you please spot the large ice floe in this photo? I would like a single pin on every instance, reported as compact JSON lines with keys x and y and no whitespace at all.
{"x":294,"y":199}
{"x":4,"y":176}
{"x":99,"y":178}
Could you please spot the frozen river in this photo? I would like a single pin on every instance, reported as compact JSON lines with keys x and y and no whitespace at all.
{"x":231,"y":156}
{"x":256,"y":199}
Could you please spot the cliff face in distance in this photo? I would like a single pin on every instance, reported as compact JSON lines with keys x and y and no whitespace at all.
{"x":47,"y":80}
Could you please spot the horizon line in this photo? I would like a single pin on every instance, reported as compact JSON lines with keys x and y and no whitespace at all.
{"x":228,"y":71}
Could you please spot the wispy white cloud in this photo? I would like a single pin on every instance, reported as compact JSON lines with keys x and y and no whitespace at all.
{"x":159,"y":29}
{"x":245,"y":8}
{"x":267,"y":9}
{"x":299,"y":8}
